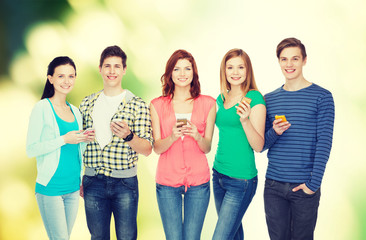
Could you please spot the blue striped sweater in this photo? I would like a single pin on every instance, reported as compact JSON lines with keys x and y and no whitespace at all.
{"x":301,"y":153}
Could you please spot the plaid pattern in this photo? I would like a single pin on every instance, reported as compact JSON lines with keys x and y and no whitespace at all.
{"x":117,"y":155}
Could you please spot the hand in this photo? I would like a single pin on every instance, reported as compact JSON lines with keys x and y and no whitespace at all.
{"x":177,"y":131}
{"x":191,"y":130}
{"x":280,"y":126}
{"x":90,"y":136}
{"x":82,"y":191}
{"x":120,"y":129}
{"x":304,"y":188}
{"x":243,"y":110}
{"x":75,"y":137}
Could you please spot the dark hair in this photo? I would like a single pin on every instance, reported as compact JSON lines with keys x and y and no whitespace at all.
{"x":49,"y":90}
{"x":290,"y":42}
{"x":166,"y":78}
{"x":113,"y":51}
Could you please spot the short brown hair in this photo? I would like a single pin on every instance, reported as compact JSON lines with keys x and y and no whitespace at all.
{"x":113,"y":51}
{"x":249,"y":83}
{"x":167,"y":81}
{"x":290,"y":42}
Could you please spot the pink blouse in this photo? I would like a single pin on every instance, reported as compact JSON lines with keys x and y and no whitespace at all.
{"x":183,"y":164}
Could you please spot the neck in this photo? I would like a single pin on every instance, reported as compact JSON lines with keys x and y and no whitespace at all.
{"x":110,"y":92}
{"x":296,"y":84}
{"x":235,"y":91}
{"x":58,"y":100}
{"x":182,"y":93}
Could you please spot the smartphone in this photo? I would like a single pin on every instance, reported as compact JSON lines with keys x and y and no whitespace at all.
{"x":183,"y":120}
{"x":281,"y":117}
{"x":89,"y":130}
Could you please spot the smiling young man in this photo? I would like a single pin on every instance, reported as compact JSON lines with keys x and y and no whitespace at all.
{"x":298,"y":148}
{"x":122,"y":131}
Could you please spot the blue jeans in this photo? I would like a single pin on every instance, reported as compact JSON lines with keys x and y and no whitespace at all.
{"x":170,"y":201}
{"x":232,"y":198}
{"x":58,"y":214}
{"x":106,"y":195}
{"x":290,"y":215}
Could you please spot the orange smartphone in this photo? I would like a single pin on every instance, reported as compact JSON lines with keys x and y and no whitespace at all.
{"x":248,"y":100}
{"x":281,"y":117}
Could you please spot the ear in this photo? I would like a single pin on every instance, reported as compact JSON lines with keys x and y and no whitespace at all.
{"x":100,"y":69}
{"x":305,"y":60}
{"x":124,"y":70}
{"x":49,"y":77}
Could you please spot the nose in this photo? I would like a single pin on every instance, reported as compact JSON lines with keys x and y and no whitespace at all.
{"x":236,"y":70}
{"x":112,"y":70}
{"x":289,"y":63}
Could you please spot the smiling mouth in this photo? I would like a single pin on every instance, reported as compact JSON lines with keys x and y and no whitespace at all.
{"x":235,"y":78}
{"x":182,"y":79}
{"x":290,"y":70}
{"x":112,"y":77}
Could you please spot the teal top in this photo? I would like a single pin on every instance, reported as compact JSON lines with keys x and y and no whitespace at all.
{"x":234,"y":155}
{"x":67,"y":176}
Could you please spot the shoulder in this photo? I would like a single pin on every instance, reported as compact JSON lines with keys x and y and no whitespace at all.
{"x":41,"y":104}
{"x":273,"y":93}
{"x":160,"y":100}
{"x":320,"y":90}
{"x":90,"y":97}
{"x":206,"y":99}
{"x":220,"y":99}
{"x":323,"y":95}
{"x":254,"y":94}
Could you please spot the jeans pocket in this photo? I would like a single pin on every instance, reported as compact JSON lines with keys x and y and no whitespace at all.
{"x":87,"y":180}
{"x":269,"y":183}
{"x":131,"y":182}
{"x":306,"y":194}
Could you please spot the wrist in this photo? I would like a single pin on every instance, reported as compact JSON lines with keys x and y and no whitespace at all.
{"x":129,"y":137}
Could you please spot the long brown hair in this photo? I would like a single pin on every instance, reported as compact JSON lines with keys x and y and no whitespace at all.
{"x":166,"y":78}
{"x":248,"y":84}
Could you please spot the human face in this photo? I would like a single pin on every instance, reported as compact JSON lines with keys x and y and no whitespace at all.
{"x":112,"y":72}
{"x":236,"y":71}
{"x":63,"y":79}
{"x":291,"y":63}
{"x":182,"y":74}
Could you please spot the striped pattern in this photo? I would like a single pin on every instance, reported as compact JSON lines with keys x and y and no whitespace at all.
{"x":117,"y":155}
{"x":301,"y":153}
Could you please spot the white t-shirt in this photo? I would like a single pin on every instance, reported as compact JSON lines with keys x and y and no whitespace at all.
{"x":104,"y":109}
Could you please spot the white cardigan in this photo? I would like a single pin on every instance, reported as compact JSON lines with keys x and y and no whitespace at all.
{"x":44,"y":141}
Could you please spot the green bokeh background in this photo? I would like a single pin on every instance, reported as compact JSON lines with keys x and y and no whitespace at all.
{"x":32,"y":33}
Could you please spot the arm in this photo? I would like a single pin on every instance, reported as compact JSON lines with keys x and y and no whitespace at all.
{"x":273,"y":131}
{"x":35,"y":146}
{"x":325,"y":125}
{"x":162,"y":145}
{"x":204,"y":143}
{"x":141,"y":129}
{"x":254,"y":125}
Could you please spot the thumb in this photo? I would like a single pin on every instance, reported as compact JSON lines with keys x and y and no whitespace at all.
{"x":296,"y":189}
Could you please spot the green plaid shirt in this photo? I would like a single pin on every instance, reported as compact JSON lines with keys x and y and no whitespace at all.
{"x":117,"y":155}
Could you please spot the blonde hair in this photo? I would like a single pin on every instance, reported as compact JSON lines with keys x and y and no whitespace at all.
{"x":248,"y":84}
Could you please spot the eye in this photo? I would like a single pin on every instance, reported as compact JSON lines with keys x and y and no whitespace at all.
{"x":229,"y":68}
{"x":175,"y":69}
{"x":188,"y":69}
{"x":241,"y":67}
